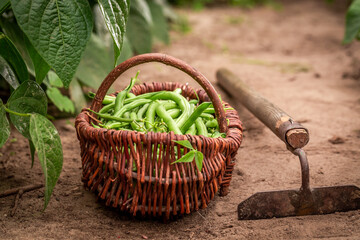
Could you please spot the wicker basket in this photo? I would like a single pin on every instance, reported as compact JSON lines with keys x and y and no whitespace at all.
{"x":157,"y":187}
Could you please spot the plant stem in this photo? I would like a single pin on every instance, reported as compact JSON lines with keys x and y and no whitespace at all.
{"x":16,"y":113}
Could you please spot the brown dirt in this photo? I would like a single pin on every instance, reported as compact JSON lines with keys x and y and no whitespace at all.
{"x":294,"y":57}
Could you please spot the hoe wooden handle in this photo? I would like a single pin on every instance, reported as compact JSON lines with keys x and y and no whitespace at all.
{"x":289,"y":131}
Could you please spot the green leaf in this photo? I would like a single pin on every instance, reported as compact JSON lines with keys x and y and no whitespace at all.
{"x":77,"y":95}
{"x":138,"y":28}
{"x":54,"y":80}
{"x":35,"y":63}
{"x":40,"y":66}
{"x":115,"y":13}
{"x":13,"y":31}
{"x":189,"y":157}
{"x":100,"y":27}
{"x":184,"y":143}
{"x":4,"y":125}
{"x":4,"y":4}
{"x":7,"y":73}
{"x":160,"y":27}
{"x":105,"y":42}
{"x":32,"y":152}
{"x":167,"y":10}
{"x":27,"y":98}
{"x":47,"y":143}
{"x":143,"y":7}
{"x":63,"y":103}
{"x":95,"y":64}
{"x":199,"y":157}
{"x":59,"y":30}
{"x":352,"y":22}
{"x":11,"y":55}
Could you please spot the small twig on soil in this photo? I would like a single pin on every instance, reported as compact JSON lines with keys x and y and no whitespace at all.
{"x":23,"y":189}
{"x":201,"y":216}
{"x":16,"y":202}
{"x":128,"y":201}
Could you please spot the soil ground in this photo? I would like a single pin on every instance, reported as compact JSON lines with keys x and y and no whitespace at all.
{"x":295,"y":58}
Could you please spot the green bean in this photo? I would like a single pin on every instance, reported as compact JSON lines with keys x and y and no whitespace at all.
{"x":161,"y":112}
{"x":107,"y":108}
{"x":107,"y":100}
{"x":115,"y":125}
{"x":157,"y":111}
{"x":109,"y":117}
{"x":130,"y":95}
{"x":194,"y":101}
{"x":142,"y":111}
{"x":140,"y":115}
{"x":119,"y":101}
{"x":192,"y":130}
{"x":170,"y":105}
{"x":142,"y":96}
{"x":150,"y":115}
{"x":207,"y":116}
{"x":195,"y":115}
{"x":120,"y":98}
{"x":160,"y":125}
{"x":217,"y":134}
{"x":91,"y":94}
{"x":200,"y":127}
{"x":181,"y":102}
{"x":136,"y":109}
{"x":174,"y":113}
{"x":110,"y":99}
{"x":192,"y":107}
{"x":127,"y":115}
{"x":212,"y":123}
{"x":123,"y":128}
{"x":134,"y":125}
{"x":95,"y":126}
{"x":130,"y":106}
{"x":178,"y":91}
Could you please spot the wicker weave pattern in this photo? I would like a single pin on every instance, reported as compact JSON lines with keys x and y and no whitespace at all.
{"x":156,"y":187}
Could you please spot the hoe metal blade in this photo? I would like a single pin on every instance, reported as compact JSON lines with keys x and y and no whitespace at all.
{"x":286,"y":203}
{"x":305,"y":201}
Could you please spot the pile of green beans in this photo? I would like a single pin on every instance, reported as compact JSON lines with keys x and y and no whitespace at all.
{"x":162,"y":111}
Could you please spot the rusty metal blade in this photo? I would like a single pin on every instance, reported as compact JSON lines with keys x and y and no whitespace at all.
{"x":323,"y":200}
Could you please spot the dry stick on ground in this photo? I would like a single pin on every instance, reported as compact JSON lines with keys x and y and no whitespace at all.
{"x":19,"y":191}
{"x":16,"y":202}
{"x":23,"y":189}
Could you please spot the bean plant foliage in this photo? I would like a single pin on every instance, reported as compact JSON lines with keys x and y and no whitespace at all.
{"x":352,"y":30}
{"x":47,"y":45}
{"x":193,"y":153}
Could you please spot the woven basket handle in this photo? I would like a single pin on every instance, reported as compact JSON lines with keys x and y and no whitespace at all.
{"x":168,"y":60}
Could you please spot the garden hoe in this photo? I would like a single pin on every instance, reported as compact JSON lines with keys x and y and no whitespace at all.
{"x":306,"y":200}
